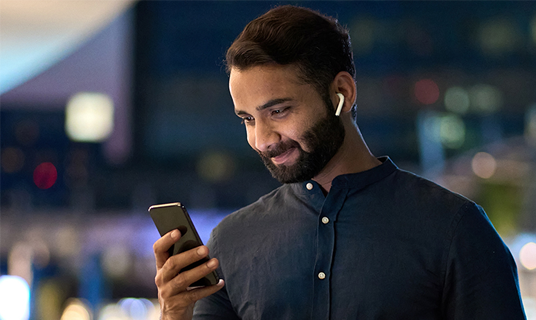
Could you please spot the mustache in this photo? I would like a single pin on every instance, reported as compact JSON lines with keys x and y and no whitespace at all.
{"x":280,"y":148}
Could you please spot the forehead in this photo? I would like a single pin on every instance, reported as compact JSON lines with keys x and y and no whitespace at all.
{"x":265,"y":73}
{"x":264,"y":82}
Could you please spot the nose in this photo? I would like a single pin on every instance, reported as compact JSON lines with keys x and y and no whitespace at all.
{"x":265,"y":136}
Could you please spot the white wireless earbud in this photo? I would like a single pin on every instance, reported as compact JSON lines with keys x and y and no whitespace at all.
{"x":341,"y":102}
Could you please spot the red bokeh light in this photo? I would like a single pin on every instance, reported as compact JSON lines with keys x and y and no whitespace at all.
{"x":426,"y":91}
{"x":45,"y":175}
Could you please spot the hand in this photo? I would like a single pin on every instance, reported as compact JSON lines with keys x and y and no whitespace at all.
{"x":176,"y":301}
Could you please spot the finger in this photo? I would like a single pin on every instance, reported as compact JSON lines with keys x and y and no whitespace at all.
{"x":162,"y":245}
{"x":180,"y":282}
{"x":176,"y":263}
{"x":188,"y":298}
{"x":200,"y":293}
{"x":195,"y":274}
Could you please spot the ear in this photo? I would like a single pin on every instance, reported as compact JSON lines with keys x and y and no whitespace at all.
{"x":344,"y":83}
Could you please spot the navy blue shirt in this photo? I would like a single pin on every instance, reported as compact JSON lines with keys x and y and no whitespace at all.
{"x":382,"y":244}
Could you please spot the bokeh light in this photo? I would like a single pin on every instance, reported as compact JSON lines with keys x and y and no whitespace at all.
{"x":362,"y":34}
{"x":19,"y":261}
{"x":66,"y":241}
{"x":112,"y":312}
{"x":49,"y":295}
{"x":45,"y":175}
{"x":485,"y":98}
{"x":498,"y":36}
{"x":14,"y":298}
{"x":136,"y":309}
{"x":452,"y":131}
{"x":447,"y":129}
{"x":457,"y":100}
{"x":216,"y":166}
{"x":89,"y":117}
{"x":426,"y":91}
{"x":432,"y":128}
{"x":484,"y":165}
{"x":527,"y":256}
{"x":530,"y":307}
{"x":12,"y":159}
{"x":130,"y":309}
{"x":116,"y":260}
{"x":76,"y":310}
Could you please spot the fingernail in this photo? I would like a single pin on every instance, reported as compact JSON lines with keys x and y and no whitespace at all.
{"x":201,"y":251}
{"x":211,"y":263}
{"x":175,"y":234}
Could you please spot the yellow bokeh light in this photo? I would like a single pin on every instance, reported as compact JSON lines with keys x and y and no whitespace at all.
{"x":484,"y":165}
{"x":76,"y":310}
{"x":89,"y":117}
{"x":527,"y":256}
{"x":216,"y":166}
{"x":499,"y":36}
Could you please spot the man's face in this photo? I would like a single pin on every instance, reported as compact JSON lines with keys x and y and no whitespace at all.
{"x":287,"y":122}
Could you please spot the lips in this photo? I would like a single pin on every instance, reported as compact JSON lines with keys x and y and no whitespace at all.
{"x":285,"y":157}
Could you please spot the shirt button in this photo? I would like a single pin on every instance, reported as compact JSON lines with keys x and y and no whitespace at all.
{"x":309,"y":186}
{"x":321,"y":275}
{"x":325,"y":220}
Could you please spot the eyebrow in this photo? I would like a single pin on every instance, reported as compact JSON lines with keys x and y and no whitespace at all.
{"x":268,"y":104}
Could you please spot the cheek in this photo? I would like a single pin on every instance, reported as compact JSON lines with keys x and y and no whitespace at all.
{"x":250,"y":135}
{"x":296,"y":131}
{"x":299,"y":136}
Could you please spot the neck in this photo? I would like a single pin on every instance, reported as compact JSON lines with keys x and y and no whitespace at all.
{"x":353,"y":156}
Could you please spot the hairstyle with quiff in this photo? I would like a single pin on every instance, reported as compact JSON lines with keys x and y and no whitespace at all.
{"x":317,"y":44}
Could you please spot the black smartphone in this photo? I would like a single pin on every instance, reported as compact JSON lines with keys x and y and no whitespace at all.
{"x":171,"y":216}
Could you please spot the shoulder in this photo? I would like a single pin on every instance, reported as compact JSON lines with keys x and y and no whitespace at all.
{"x":251,"y":215}
{"x":428,"y":193}
{"x":460,"y":216}
{"x":408,"y":198}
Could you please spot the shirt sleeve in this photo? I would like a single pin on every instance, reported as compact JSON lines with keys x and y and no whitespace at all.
{"x":481,"y":276}
{"x":216,"y":306}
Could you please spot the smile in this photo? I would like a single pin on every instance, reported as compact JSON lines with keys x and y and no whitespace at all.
{"x":288,"y":156}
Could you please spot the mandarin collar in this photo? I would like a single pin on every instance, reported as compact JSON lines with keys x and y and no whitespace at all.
{"x":355,"y":181}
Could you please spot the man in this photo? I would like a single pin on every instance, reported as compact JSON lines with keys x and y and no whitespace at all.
{"x":347,"y":235}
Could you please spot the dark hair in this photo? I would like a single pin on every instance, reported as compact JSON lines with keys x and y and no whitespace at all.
{"x":317,"y":44}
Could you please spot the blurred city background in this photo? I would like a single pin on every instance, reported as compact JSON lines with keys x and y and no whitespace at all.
{"x":108,"y":107}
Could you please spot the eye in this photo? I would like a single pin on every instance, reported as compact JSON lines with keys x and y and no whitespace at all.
{"x":247,"y":120}
{"x":280,"y":112}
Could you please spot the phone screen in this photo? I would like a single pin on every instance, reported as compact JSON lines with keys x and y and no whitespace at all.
{"x":173,"y":216}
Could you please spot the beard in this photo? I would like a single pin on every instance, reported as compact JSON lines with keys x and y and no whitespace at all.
{"x":324,"y":139}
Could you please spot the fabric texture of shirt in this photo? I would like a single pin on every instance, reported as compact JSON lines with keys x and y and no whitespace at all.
{"x":382,"y":244}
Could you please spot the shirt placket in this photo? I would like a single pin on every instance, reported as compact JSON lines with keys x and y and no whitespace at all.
{"x":325,"y":251}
